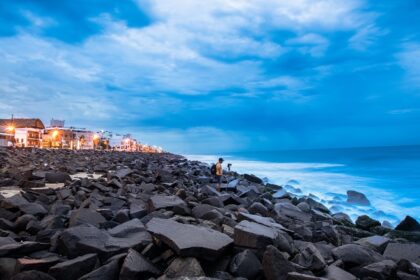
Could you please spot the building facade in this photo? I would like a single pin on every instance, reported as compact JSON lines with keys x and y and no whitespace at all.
{"x":26,"y":132}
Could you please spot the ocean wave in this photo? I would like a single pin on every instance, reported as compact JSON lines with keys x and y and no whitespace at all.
{"x":327,"y":185}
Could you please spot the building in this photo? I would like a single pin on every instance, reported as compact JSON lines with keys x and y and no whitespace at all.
{"x":58,"y":136}
{"x":68,"y":138}
{"x":26,"y":132}
{"x":6,"y":137}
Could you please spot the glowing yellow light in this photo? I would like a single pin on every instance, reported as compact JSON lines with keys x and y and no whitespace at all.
{"x":10,"y":128}
{"x":55,"y":134}
{"x":95,"y":137}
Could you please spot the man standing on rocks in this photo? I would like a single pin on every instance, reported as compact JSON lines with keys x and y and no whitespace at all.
{"x":219,"y":173}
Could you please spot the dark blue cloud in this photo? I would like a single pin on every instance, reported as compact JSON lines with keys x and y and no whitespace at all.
{"x":210,"y":75}
{"x":69,"y":21}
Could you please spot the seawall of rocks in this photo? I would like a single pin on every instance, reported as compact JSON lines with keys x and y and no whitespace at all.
{"x":115,"y":215}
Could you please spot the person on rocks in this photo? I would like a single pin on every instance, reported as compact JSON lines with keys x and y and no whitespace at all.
{"x":219,"y":174}
{"x":229,"y":165}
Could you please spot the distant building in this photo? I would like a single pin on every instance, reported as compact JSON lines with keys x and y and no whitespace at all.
{"x":26,"y":132}
{"x":7,"y":137}
{"x":68,"y":138}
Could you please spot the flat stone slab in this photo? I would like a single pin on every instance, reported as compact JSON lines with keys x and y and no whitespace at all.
{"x":253,"y":235}
{"x":157,"y":202}
{"x":398,"y":251}
{"x":266,"y":221}
{"x":190,"y":240}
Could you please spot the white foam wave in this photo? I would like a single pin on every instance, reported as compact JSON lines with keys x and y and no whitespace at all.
{"x":318,"y":179}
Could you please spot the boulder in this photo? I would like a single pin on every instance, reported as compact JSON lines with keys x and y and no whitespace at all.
{"x":289,"y":211}
{"x":8,"y":267}
{"x":258,"y":208}
{"x":21,"y":249}
{"x":355,"y":255}
{"x":109,"y":271}
{"x":358,"y":198}
{"x":136,"y":266}
{"x":336,"y":273}
{"x":86,"y":216}
{"x":275,"y":265}
{"x":375,"y":242}
{"x":85,"y":239}
{"x":301,"y":276}
{"x":32,"y":275}
{"x":132,"y":226}
{"x":257,"y":236}
{"x":189,"y":240}
{"x":245,"y":264}
{"x":252,"y":178}
{"x":75,"y":268}
{"x":310,"y":258}
{"x":365,"y":222}
{"x":157,"y":202}
{"x":398,"y":251}
{"x":188,"y":267}
{"x":57,"y":177}
{"x":383,"y":270}
{"x":266,"y":221}
{"x":408,"y":224}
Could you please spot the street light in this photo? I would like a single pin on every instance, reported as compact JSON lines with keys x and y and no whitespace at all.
{"x":10,"y":128}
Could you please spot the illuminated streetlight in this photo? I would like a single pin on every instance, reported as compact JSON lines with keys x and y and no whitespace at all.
{"x":10,"y":128}
{"x":55,"y":134}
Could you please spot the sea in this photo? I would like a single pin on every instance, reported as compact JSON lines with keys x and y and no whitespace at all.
{"x":388,"y":176}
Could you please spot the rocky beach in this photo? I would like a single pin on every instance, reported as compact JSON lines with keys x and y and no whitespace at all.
{"x":118,"y":215}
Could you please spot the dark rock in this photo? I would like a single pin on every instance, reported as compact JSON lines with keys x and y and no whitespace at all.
{"x":7,"y":267}
{"x":365,"y":222}
{"x":245,"y":264}
{"x":290,"y":211}
{"x":266,"y":221}
{"x":408,"y":224}
{"x":213,"y":201}
{"x":137,"y":210}
{"x":383,"y":270}
{"x":32,"y":275}
{"x":57,"y":177}
{"x":310,"y":258}
{"x":188,"y":267}
{"x":275,"y":265}
{"x":75,"y":268}
{"x":253,"y":235}
{"x":252,"y":178}
{"x":132,"y":226}
{"x":354,"y":255}
{"x":85,"y":239}
{"x":301,"y":276}
{"x":85,"y":216}
{"x":408,"y":251}
{"x":343,"y":219}
{"x":6,"y":224}
{"x":21,"y":249}
{"x":258,"y":208}
{"x":136,"y":266}
{"x":189,"y":240}
{"x":376,"y":242}
{"x":122,"y":216}
{"x":355,"y":197}
{"x":157,"y":202}
{"x":109,"y":271}
{"x":336,"y":273}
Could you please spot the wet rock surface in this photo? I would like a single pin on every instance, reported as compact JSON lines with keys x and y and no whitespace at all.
{"x":93,"y":215}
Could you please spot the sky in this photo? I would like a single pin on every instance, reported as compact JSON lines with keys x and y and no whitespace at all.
{"x":218,"y":76}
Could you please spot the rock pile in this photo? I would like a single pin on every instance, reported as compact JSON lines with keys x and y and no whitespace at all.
{"x":157,"y":216}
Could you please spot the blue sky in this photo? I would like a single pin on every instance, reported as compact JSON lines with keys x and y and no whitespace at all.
{"x":218,"y":76}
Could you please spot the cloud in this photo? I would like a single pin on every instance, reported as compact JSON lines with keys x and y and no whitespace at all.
{"x":409,"y":59}
{"x":242,"y":71}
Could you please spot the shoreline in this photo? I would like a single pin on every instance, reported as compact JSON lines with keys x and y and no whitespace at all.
{"x":162,"y":211}
{"x":327,"y":182}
